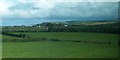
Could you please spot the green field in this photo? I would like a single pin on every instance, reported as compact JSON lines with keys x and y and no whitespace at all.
{"x":0,"y":46}
{"x":73,"y":36}
{"x":56,"y":49}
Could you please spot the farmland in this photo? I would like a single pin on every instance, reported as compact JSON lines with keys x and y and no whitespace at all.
{"x":63,"y":47}
{"x":72,"y":39}
{"x":0,"y":46}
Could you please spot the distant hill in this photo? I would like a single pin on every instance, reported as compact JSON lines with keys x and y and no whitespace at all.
{"x":91,"y":22}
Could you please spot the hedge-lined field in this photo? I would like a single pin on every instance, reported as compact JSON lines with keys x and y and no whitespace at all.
{"x":61,"y":36}
{"x":45,"y":45}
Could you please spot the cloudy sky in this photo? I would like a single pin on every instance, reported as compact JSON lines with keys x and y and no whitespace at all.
{"x":18,"y":12}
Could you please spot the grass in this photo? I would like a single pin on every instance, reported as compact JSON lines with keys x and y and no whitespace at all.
{"x":0,"y":46}
{"x":74,"y":36}
{"x":58,"y":50}
{"x":51,"y":49}
{"x":8,"y":37}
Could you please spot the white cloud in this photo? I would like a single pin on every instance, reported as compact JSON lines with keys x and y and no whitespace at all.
{"x":46,"y":8}
{"x":20,"y":10}
{"x":4,"y":8}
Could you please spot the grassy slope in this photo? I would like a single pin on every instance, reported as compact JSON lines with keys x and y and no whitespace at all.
{"x":62,"y":49}
{"x":8,"y":37}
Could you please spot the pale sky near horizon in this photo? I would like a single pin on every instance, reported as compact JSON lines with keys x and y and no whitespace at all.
{"x":18,"y":12}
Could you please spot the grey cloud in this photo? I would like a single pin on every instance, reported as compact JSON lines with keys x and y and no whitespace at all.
{"x":85,"y":10}
{"x":23,"y":6}
{"x":70,"y":10}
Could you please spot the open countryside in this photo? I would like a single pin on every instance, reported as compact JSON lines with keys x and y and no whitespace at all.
{"x":60,"y":29}
{"x":59,"y":44}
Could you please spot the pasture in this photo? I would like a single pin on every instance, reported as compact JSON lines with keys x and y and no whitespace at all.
{"x":0,"y":46}
{"x":58,"y":49}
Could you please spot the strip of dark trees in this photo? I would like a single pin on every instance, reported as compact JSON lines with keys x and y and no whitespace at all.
{"x":14,"y":35}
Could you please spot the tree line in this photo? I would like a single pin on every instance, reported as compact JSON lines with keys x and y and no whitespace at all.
{"x":61,"y":27}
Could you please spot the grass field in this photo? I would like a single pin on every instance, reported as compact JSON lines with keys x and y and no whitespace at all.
{"x":0,"y":46}
{"x":52,"y":49}
{"x":73,"y":36}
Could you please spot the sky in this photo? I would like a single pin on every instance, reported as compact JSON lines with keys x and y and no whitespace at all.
{"x":26,"y":12}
